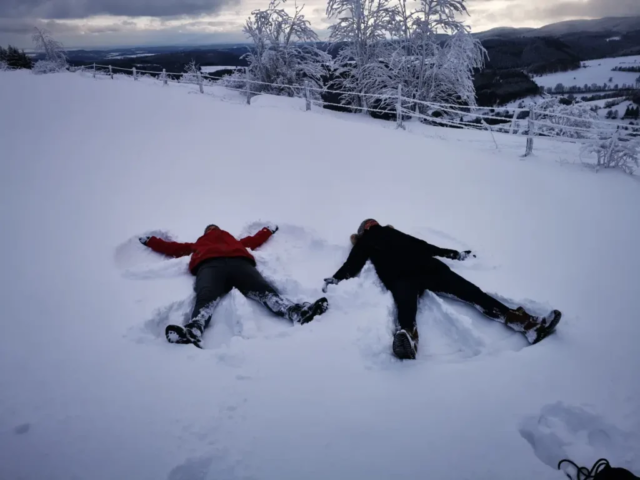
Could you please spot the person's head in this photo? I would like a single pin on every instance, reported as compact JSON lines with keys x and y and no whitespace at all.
{"x":364,"y":226}
{"x":210,"y":227}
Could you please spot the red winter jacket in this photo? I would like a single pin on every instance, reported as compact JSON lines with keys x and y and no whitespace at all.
{"x":214,"y":244}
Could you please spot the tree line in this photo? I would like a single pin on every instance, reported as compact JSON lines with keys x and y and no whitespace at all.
{"x":378,"y":46}
{"x":12,"y":57}
{"x":52,"y":52}
{"x":626,"y":69}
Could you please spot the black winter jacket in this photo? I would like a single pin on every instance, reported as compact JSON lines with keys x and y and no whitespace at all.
{"x":394,"y":255}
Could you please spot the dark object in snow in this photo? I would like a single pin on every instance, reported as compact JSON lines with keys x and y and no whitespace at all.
{"x":183,"y":335}
{"x":407,"y":267}
{"x":22,"y":429}
{"x":601,"y":470}
{"x":405,"y":344}
{"x":220,"y":263}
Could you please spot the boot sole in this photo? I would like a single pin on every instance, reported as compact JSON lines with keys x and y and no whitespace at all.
{"x":319,"y":307}
{"x":177,"y":334}
{"x":545,"y":332}
{"x":402,"y":348}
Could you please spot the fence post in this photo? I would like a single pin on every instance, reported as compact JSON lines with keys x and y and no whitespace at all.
{"x":307,"y":98}
{"x":488,"y":127}
{"x":164,"y":76}
{"x":111,"y":72}
{"x":248,"y":89}
{"x":135,"y":75}
{"x":94,"y":70}
{"x":399,"y":109}
{"x":200,"y":82}
{"x":513,"y":122}
{"x":530,"y":134}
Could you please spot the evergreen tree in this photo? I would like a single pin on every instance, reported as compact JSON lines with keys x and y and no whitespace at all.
{"x":17,"y":59}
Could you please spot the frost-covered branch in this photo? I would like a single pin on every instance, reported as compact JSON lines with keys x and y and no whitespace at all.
{"x":55,"y":57}
{"x":283,"y":52}
{"x":614,"y":152}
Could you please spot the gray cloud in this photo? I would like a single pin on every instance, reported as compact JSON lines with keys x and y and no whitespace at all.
{"x":68,"y":9}
{"x":24,"y":26}
{"x":520,"y":12}
{"x":593,"y":9}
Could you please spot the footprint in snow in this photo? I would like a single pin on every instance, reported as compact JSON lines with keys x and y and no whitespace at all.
{"x":562,"y":431}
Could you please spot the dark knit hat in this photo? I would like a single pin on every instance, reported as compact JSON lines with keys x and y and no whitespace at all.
{"x":212,"y":225}
{"x":363,"y":226}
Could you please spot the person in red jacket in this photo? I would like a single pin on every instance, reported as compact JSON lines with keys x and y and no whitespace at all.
{"x":220,"y":263}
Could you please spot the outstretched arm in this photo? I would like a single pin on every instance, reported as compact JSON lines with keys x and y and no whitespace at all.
{"x":433,"y":251}
{"x":258,"y":239}
{"x":171,"y":249}
{"x":355,"y":262}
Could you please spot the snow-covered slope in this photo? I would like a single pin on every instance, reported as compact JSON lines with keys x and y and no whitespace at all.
{"x":594,"y":71}
{"x":91,"y":390}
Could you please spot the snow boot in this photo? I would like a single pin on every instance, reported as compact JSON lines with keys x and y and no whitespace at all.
{"x":405,"y":344}
{"x":546,"y":327}
{"x":534,"y":328}
{"x":305,"y":312}
{"x":190,"y":333}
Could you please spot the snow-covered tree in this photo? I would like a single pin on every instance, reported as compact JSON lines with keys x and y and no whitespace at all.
{"x":574,"y":121}
{"x":429,"y":69}
{"x":190,"y":74}
{"x":613,"y":152}
{"x":283,"y":52}
{"x":15,"y":58}
{"x":389,"y":45}
{"x":362,"y":32}
{"x":55,"y":58}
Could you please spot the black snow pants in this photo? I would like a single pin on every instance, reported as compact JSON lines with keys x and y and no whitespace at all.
{"x":216,"y":277}
{"x":407,"y":291}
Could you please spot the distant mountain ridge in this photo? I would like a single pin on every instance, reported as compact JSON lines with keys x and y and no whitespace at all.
{"x":616,"y":25}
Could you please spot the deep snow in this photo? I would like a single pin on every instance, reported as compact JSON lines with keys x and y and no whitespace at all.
{"x":594,"y":71}
{"x":91,"y":390}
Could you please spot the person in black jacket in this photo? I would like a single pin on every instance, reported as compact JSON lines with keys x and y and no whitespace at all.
{"x":407,"y":267}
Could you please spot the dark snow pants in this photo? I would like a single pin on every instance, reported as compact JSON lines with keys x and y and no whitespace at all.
{"x":407,"y":291}
{"x":216,"y":277}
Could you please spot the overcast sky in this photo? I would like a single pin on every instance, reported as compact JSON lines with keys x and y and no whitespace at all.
{"x":95,"y":23}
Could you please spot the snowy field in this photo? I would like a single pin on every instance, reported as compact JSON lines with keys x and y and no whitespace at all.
{"x":115,"y":56}
{"x":596,"y":71}
{"x":215,"y":68}
{"x":91,"y":390}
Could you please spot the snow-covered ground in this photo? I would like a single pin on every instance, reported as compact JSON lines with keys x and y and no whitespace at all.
{"x":595,"y":71}
{"x":215,"y":68}
{"x":90,"y":389}
{"x":133,"y":55}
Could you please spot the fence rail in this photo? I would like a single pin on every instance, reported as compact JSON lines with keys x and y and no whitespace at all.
{"x":534,"y":123}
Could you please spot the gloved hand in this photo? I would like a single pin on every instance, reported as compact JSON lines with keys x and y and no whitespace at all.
{"x":144,"y":240}
{"x":466,"y":254}
{"x":272,"y":228}
{"x":327,"y":282}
